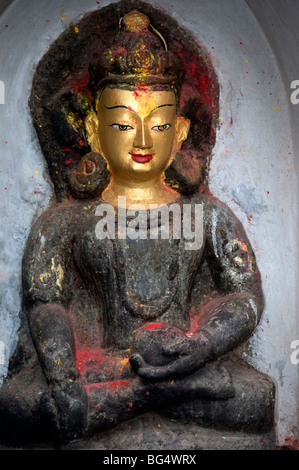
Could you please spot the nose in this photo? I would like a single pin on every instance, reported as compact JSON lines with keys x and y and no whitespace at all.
{"x":143,"y":138}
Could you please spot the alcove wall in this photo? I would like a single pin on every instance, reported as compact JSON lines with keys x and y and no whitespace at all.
{"x":254,"y":168}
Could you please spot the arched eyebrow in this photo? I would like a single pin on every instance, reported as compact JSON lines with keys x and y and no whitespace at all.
{"x":162,"y":106}
{"x":119,"y":106}
{"x":130,"y":109}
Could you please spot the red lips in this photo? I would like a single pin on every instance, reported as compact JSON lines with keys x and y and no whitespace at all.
{"x":139,"y":158}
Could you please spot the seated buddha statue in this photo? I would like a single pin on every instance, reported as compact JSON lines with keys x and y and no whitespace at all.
{"x":121,"y":318}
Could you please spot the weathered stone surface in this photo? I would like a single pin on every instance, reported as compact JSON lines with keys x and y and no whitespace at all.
{"x":155,"y":432}
{"x":131,"y":284}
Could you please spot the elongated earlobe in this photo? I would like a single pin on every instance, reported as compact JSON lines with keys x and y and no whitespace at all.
{"x":91,"y":127}
{"x":89,"y":177}
{"x":185,"y":171}
{"x":182,"y":131}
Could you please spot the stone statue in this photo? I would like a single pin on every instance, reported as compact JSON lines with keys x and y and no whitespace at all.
{"x":125,"y":312}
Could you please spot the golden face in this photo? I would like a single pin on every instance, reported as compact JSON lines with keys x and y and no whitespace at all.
{"x":137,"y":132}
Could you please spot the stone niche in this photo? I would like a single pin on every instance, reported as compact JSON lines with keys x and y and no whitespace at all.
{"x":252,"y":170}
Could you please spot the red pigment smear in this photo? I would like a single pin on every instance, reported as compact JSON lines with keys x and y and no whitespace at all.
{"x":87,"y":355}
{"x":80,"y":142}
{"x":119,"y":50}
{"x":292,"y":443}
{"x":68,"y":162}
{"x":195,"y":324}
{"x":153,"y":326}
{"x":197,"y":73}
{"x":142,"y":88}
{"x":80,"y":85}
{"x":98,"y":26}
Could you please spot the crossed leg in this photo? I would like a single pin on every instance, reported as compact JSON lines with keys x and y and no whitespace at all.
{"x":234,"y":396}
{"x":251,"y":409}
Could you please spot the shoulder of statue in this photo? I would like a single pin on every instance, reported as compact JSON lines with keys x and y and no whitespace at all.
{"x":59,"y":217}
{"x":217,"y":215}
{"x":209,"y":202}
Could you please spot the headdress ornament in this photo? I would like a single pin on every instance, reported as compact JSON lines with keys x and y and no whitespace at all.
{"x":139,"y":55}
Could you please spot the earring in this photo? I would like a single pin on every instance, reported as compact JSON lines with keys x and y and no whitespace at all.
{"x":89,"y":177}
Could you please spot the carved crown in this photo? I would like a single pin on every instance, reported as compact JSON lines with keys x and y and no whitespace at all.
{"x":138,"y":55}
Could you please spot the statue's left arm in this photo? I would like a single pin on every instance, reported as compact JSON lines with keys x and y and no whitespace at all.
{"x":228,"y":319}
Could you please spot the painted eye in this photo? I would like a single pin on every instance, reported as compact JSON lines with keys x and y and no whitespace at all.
{"x":121,"y":127}
{"x":162,"y":128}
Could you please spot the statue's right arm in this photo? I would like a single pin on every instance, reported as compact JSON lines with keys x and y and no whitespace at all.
{"x":46,"y":289}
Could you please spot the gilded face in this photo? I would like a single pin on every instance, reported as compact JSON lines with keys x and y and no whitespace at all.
{"x":137,"y":131}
